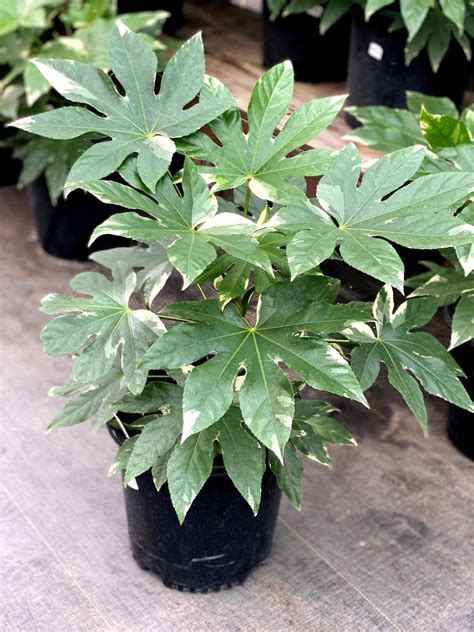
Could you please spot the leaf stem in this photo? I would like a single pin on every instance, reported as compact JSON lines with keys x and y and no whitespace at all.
{"x":247,"y":201}
{"x":122,"y":427}
{"x":203,"y":294}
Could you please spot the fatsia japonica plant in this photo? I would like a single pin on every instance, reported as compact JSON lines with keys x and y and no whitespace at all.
{"x":234,"y":369}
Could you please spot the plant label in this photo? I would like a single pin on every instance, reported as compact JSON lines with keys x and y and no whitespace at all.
{"x":375,"y":51}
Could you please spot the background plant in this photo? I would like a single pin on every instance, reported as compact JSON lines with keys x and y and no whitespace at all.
{"x":449,"y":138}
{"x":430,"y":24}
{"x":233,"y":369}
{"x":71,"y":30}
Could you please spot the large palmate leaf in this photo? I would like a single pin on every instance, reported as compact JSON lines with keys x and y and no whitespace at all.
{"x":407,"y":355}
{"x":155,"y":267}
{"x":88,"y":400}
{"x":138,"y":122}
{"x":359,"y":219}
{"x":266,"y":396}
{"x":450,"y":285}
{"x":102,"y":327}
{"x":190,"y":221}
{"x":257,"y":158}
{"x":88,"y":44}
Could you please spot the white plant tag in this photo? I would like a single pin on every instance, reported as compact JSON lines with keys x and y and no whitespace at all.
{"x":375,"y":51}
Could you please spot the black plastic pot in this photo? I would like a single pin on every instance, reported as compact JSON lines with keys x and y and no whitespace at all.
{"x":9,"y":167}
{"x":377,"y":74}
{"x":64,"y":230}
{"x":174,"y":7}
{"x":220,"y":541}
{"x":461,"y":422}
{"x":296,"y":37}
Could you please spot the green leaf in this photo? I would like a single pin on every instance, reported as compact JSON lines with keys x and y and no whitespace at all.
{"x":447,"y":285}
{"x":103,"y":327}
{"x":455,"y":10}
{"x":29,"y":14}
{"x":90,"y":399}
{"x":385,"y":129}
{"x":156,"y":397}
{"x":257,"y":157}
{"x":288,"y":475}
{"x":408,"y":355}
{"x":190,"y":221}
{"x":311,"y":445}
{"x":465,"y":254}
{"x":152,"y":260}
{"x":372,"y":6}
{"x":159,"y":471}
{"x":414,"y":13}
{"x":438,"y":43}
{"x":123,"y":455}
{"x":243,"y":458}
{"x":417,"y":215}
{"x":434,"y":105}
{"x":327,"y":428}
{"x":463,"y":320}
{"x":266,"y":396}
{"x":158,"y":437}
{"x":333,"y":12}
{"x":141,"y":122}
{"x":441,"y":130}
{"x":189,"y":467}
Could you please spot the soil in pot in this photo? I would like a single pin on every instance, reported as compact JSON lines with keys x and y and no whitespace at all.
{"x":377,"y":74}
{"x":461,"y":422}
{"x":315,"y":58}
{"x":64,"y":230}
{"x":174,"y":7}
{"x":220,"y":541}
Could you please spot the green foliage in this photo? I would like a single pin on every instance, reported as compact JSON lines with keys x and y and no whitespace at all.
{"x":265,"y":396}
{"x":450,"y":286}
{"x":257,"y":158}
{"x":359,"y":219}
{"x":38,"y":33}
{"x":103,"y":326}
{"x":220,"y":383}
{"x":140,"y":122}
{"x":188,"y":221}
{"x":430,"y":121}
{"x":406,"y":354}
{"x":429,"y":24}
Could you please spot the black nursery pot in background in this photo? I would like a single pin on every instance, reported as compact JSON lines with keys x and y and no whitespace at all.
{"x":377,"y":74}
{"x":296,"y":37}
{"x":174,"y":7}
{"x":64,"y":230}
{"x":9,"y":167}
{"x":220,"y":541}
{"x":461,"y":422}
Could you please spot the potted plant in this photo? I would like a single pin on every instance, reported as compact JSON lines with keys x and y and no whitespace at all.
{"x":212,"y":399}
{"x":449,"y":138}
{"x":301,"y":32}
{"x":71,"y":31}
{"x":406,"y":45}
